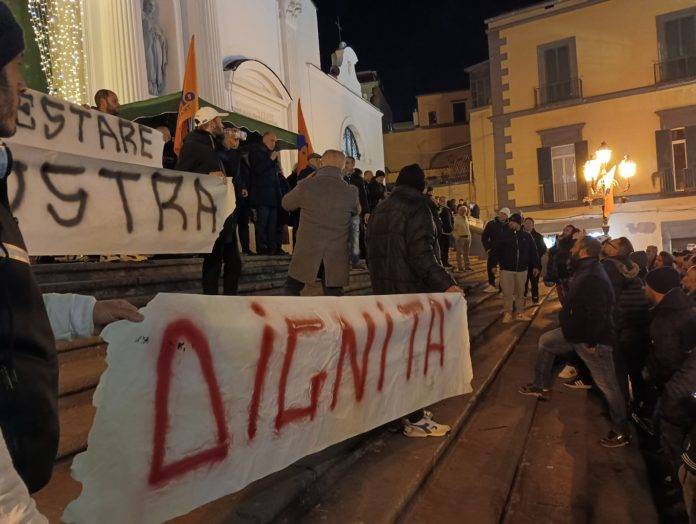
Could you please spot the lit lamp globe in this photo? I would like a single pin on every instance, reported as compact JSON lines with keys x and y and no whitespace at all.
{"x":591,"y":170}
{"x":627,"y":168}
{"x":604,"y":153}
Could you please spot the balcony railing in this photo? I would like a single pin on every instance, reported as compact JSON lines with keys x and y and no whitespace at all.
{"x":685,"y":181}
{"x":675,"y":69}
{"x":558,"y":91}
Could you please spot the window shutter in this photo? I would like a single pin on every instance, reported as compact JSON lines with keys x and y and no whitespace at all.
{"x":545,"y":173}
{"x":690,"y":132}
{"x":663,"y":143}
{"x":581,"y":155}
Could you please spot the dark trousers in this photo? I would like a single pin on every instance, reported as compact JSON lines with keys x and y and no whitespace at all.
{"x":225,"y":252}
{"x":490,"y":265}
{"x":534,"y":282}
{"x":243,"y":216}
{"x":294,"y":287}
{"x":266,"y":229}
{"x":444,"y":249}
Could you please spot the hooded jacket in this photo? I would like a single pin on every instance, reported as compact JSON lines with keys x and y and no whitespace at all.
{"x":402,"y":247}
{"x":672,"y":334}
{"x":632,"y":310}
{"x":588,"y":313}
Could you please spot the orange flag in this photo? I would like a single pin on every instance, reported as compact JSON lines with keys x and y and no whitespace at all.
{"x":304,"y":144}
{"x":609,"y":202}
{"x":188,"y":105}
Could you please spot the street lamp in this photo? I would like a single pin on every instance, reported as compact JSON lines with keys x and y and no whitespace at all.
{"x":604,"y":178}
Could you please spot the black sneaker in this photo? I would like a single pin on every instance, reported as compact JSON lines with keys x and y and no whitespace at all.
{"x":533,"y":391}
{"x":645,"y":424}
{"x":615,"y":440}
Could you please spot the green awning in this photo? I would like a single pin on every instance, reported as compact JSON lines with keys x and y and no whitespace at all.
{"x":163,"y":111}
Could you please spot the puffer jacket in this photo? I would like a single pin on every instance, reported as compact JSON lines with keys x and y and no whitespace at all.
{"x":632,"y":310}
{"x":677,"y":404}
{"x":516,"y":250}
{"x":402,"y":247}
{"x":491,"y":232}
{"x":673,"y":336}
{"x":199,"y":153}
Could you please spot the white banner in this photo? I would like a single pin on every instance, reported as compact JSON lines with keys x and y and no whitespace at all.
{"x":51,"y":123}
{"x":75,"y":205}
{"x":209,"y":394}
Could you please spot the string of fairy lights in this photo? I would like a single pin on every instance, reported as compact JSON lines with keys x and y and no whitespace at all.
{"x":57,"y":25}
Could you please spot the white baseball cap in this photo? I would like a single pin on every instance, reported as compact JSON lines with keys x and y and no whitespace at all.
{"x":206,"y":114}
{"x":505,"y":210}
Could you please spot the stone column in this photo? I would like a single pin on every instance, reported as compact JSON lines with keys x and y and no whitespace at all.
{"x":114,"y":48}
{"x":200,"y":18}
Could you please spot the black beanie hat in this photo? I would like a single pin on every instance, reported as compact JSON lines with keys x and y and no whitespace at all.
{"x":11,"y":38}
{"x":663,"y":279}
{"x":412,"y":176}
{"x":516,"y":217}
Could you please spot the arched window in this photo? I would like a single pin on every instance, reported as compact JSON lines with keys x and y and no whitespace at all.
{"x":350,"y":144}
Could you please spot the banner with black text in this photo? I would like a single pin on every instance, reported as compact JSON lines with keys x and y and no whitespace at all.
{"x":76,"y":205}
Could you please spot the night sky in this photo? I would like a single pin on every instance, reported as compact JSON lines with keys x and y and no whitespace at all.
{"x":416,"y":46}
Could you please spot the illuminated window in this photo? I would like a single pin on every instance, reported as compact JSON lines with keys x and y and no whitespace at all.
{"x":350,"y":144}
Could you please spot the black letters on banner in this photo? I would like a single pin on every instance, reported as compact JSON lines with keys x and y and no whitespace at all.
{"x":81,"y":115}
{"x":120,"y":176}
{"x":20,"y":168}
{"x":212,"y":208}
{"x":144,"y":142}
{"x":26,"y":104}
{"x":127,"y":138}
{"x":58,"y":119}
{"x":105,"y":130}
{"x":80,"y":196}
{"x":177,"y":180}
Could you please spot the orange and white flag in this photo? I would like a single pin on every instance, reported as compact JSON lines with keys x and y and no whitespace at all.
{"x":188,"y":105}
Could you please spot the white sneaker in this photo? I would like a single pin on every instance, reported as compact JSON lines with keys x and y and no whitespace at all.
{"x":490,"y":289}
{"x":425,"y":427}
{"x":507,"y":318}
{"x":568,"y":372}
{"x":523,"y":317}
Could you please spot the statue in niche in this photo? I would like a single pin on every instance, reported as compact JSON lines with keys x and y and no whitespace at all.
{"x":155,"y":48}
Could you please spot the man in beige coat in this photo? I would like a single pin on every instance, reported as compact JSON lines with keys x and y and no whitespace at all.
{"x":327,"y":204}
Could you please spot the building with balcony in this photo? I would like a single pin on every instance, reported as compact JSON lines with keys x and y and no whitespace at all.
{"x":438,"y":140}
{"x":567,"y":75}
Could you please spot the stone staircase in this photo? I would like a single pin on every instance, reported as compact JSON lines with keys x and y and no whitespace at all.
{"x":82,"y":361}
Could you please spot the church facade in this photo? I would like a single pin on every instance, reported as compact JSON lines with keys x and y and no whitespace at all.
{"x":259,"y":58}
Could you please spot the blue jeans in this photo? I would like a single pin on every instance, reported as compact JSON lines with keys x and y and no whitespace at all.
{"x":354,"y":240}
{"x":599,"y":361}
{"x":266,"y":225}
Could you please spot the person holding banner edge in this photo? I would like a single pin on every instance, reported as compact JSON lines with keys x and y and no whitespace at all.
{"x":200,"y":154}
{"x":29,"y":323}
{"x":404,"y":257}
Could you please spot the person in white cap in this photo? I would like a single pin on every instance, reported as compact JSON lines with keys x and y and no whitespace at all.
{"x":199,"y":152}
{"x":490,"y":233}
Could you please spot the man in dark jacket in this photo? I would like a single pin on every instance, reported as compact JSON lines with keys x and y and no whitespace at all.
{"x":28,"y":359}
{"x":475,"y":210}
{"x":558,"y":264}
{"x":687,"y":471}
{"x":169,"y":156}
{"x":631,"y":314}
{"x":200,"y":154}
{"x":490,"y":233}
{"x":264,"y":191}
{"x":689,"y":284}
{"x":353,"y":177}
{"x":587,"y":329}
{"x":376,"y":190}
{"x":532,"y":278}
{"x":447,"y":219}
{"x":294,"y":179}
{"x":402,"y":258}
{"x":517,"y":256}
{"x":672,"y":329}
